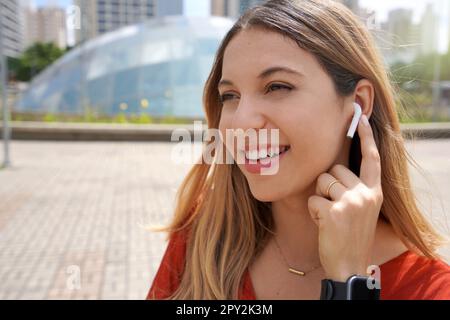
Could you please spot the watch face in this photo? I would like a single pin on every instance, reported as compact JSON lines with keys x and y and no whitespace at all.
{"x":359,"y":289}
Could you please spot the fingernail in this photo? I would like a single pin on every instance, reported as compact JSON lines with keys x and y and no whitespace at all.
{"x":365,"y":120}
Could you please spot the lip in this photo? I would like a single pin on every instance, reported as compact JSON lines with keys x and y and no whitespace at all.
{"x":264,"y":147}
{"x":256,"y":167}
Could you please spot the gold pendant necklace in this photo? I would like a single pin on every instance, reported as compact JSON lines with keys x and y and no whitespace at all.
{"x":293,"y":270}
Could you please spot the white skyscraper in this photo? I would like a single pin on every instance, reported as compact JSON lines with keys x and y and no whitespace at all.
{"x":231,"y":8}
{"x":12,"y":29}
{"x":428,"y":28}
{"x":169,"y":7}
{"x":45,"y":24}
{"x":100,"y":16}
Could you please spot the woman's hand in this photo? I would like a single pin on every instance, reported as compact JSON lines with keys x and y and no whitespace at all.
{"x":347,"y":222}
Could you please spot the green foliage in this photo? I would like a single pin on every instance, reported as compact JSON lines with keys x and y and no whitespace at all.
{"x":92,"y":116}
{"x":419,"y":75}
{"x":173,"y":120}
{"x":49,"y":117}
{"x":121,"y":118}
{"x":414,"y":82}
{"x":35,"y":59}
{"x":144,"y":118}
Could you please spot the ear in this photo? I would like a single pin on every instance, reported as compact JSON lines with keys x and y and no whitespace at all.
{"x":364,"y":94}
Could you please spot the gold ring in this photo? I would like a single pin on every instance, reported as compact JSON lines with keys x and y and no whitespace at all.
{"x":329,"y":187}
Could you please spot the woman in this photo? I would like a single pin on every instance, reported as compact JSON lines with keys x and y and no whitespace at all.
{"x":335,"y":206}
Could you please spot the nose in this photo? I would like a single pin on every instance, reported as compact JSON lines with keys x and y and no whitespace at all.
{"x":248,"y":116}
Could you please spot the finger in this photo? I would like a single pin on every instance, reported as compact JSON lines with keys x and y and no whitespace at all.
{"x":345,"y":176}
{"x":336,"y":191}
{"x":370,"y":173}
{"x":318,"y":208}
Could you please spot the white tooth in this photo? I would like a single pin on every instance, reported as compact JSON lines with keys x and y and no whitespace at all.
{"x":265,"y":160}
{"x":274,"y":151}
{"x":262,"y":153}
{"x":253,"y":155}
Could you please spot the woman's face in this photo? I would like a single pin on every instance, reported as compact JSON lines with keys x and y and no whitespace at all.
{"x":312,"y":119}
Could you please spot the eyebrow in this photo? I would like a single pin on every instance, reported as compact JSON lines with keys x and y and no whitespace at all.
{"x":266,"y":73}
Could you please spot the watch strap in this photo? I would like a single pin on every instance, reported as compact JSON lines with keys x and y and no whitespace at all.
{"x":355,"y":288}
{"x":333,"y":290}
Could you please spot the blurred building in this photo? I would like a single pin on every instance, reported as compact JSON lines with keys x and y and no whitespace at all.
{"x":157,"y":67}
{"x":101,"y":16}
{"x":366,"y":16}
{"x":12,"y":30}
{"x":169,"y":7}
{"x":400,"y":37}
{"x":46,"y":24}
{"x":232,"y":8}
{"x":400,"y":26}
{"x":448,"y":25}
{"x":403,"y":40}
{"x":352,"y":5}
{"x":428,"y":31}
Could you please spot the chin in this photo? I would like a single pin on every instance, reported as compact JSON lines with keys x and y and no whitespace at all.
{"x":266,"y":193}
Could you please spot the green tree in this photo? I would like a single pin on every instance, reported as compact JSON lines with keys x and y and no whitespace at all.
{"x":35,"y":59}
{"x":419,"y":75}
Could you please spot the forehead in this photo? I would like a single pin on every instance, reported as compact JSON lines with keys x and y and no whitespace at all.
{"x":256,"y":48}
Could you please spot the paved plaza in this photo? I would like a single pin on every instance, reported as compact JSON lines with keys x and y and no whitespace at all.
{"x":73,"y":215}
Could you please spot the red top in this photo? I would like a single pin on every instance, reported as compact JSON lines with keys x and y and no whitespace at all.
{"x":408,"y":276}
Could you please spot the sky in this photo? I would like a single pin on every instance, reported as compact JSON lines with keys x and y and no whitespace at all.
{"x":381,"y":7}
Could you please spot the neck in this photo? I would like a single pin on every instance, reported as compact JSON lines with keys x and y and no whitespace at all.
{"x":296,"y":232}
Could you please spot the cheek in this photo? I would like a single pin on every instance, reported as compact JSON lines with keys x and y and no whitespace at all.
{"x":224,"y":124}
{"x":316,"y":118}
{"x":315,"y":137}
{"x":226,"y":119}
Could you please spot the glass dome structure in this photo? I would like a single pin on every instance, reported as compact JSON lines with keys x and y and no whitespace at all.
{"x":158,"y":67}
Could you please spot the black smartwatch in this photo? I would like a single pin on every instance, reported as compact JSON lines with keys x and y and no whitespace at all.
{"x":355,"y":288}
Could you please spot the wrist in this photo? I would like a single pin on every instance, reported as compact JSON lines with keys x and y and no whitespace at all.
{"x":343,"y":273}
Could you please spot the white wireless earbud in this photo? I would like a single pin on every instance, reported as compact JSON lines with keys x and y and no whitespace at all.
{"x":355,"y":120}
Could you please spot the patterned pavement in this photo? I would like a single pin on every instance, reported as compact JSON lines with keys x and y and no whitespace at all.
{"x":73,"y":215}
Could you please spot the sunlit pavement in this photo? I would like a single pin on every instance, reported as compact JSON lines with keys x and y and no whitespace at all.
{"x":70,"y":209}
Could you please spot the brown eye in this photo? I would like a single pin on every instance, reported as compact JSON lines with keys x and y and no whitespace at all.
{"x":272,"y":87}
{"x":278,"y":86}
{"x":226,"y":97}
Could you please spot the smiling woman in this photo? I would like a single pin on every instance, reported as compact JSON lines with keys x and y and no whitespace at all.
{"x":337,"y":207}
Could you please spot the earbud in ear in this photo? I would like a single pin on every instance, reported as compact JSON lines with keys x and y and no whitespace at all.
{"x":355,"y":120}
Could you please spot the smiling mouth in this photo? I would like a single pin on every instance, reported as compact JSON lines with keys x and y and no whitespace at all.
{"x":258,"y":162}
{"x":265,"y":154}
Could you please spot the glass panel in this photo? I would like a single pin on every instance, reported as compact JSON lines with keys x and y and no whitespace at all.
{"x":163,"y":64}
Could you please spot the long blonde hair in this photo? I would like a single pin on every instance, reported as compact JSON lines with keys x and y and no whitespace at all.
{"x":227,"y":226}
